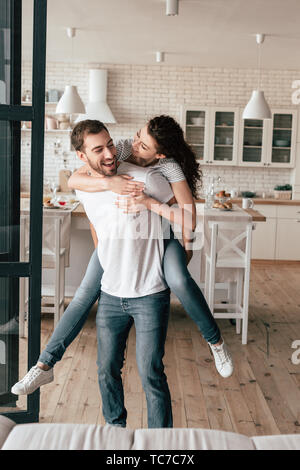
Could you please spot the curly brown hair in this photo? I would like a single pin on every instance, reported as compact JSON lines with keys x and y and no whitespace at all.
{"x":170,"y":141}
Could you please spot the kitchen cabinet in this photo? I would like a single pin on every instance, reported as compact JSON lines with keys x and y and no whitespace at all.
{"x":264,"y":235}
{"x":219,"y":136}
{"x":281,"y":148}
{"x":269,"y":143}
{"x":196,"y":125}
{"x":287,"y":239}
{"x":224,"y":136}
{"x":252,"y":142}
{"x":212,"y":133}
{"x":278,"y":237}
{"x":288,"y":233}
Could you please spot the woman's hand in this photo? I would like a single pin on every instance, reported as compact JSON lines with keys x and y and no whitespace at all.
{"x":134,"y":203}
{"x":122,"y":184}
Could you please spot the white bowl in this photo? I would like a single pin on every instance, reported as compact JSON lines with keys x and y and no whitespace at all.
{"x":197,"y":121}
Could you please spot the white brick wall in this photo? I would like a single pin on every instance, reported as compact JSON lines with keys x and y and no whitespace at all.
{"x":138,"y":92}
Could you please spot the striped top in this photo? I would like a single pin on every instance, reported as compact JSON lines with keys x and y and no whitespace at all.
{"x":168,"y":166}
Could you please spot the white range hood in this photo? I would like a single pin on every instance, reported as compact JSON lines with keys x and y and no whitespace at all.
{"x":97,"y":107}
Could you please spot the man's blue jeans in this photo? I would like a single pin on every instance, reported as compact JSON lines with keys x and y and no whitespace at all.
{"x":115,"y":318}
{"x":177,"y":278}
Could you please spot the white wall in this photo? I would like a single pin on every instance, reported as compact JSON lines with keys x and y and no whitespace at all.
{"x":136,"y":92}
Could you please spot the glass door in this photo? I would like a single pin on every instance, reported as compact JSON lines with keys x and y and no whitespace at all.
{"x":224,"y":138}
{"x":20,"y":273}
{"x":195,"y":124}
{"x":283,"y":139}
{"x":253,"y":142}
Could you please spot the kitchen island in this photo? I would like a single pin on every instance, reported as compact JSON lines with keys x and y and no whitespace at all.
{"x":79,"y":220}
{"x":256,"y":215}
{"x":81,"y":248}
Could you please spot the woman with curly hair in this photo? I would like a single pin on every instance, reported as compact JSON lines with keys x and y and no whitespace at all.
{"x":160,"y":144}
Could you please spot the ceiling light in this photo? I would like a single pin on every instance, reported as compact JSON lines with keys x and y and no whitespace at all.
{"x":172,"y":7}
{"x":160,"y":56}
{"x":258,"y":108}
{"x":70,"y":102}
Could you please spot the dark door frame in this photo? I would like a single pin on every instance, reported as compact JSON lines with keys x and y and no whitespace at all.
{"x":16,"y":113}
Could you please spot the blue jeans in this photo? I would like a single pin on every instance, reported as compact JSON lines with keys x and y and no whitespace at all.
{"x":178,"y":279}
{"x":115,"y":318}
{"x":182,"y":284}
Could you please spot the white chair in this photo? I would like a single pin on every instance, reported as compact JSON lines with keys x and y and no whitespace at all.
{"x":53,"y":258}
{"x":230,"y":249}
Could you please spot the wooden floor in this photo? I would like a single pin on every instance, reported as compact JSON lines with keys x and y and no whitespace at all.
{"x":262,"y":396}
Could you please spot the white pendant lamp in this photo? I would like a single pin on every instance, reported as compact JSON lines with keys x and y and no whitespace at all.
{"x":160,"y":56}
{"x":70,"y":102}
{"x":97,"y":107}
{"x":258,"y":108}
{"x":172,"y":7}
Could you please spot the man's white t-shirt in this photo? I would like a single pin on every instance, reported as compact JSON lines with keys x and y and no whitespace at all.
{"x":130,"y":246}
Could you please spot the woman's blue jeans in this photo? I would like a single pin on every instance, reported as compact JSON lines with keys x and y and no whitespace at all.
{"x":115,"y":318}
{"x":75,"y":314}
{"x":178,"y":279}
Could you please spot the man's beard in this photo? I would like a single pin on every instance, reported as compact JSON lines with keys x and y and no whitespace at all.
{"x":102,"y":171}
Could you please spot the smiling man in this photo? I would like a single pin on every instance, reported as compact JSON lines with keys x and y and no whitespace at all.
{"x":98,"y":151}
{"x":133,"y":289}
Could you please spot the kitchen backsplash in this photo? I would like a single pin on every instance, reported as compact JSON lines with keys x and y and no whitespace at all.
{"x":136,"y":93}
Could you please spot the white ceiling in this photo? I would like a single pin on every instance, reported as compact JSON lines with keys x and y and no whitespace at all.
{"x":208,"y":33}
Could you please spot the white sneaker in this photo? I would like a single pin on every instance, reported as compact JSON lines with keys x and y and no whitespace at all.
{"x":34,"y":378}
{"x":223,"y":360}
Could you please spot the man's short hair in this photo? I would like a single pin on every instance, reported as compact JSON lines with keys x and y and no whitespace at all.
{"x":84,"y":128}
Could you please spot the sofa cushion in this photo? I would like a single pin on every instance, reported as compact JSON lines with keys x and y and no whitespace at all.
{"x":6,"y":425}
{"x":284,"y":442}
{"x":62,"y":436}
{"x":190,"y":439}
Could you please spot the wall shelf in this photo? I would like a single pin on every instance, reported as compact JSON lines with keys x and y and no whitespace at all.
{"x":52,"y":131}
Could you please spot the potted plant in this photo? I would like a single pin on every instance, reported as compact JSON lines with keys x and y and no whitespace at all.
{"x":283,"y":192}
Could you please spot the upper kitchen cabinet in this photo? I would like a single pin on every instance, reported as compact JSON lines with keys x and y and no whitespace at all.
{"x":219,"y":136}
{"x":223,"y":143}
{"x":281,"y":146}
{"x":269,"y":142}
{"x":212,"y":133}
{"x":195,"y":122}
